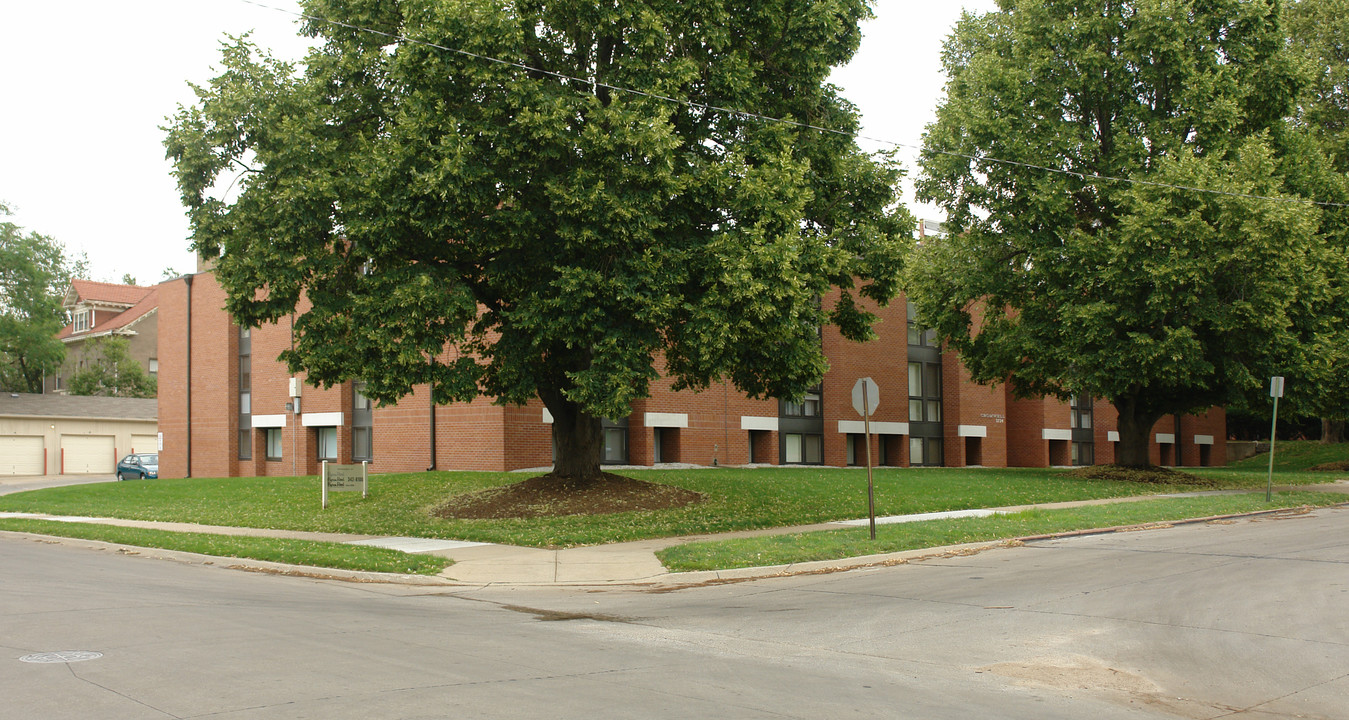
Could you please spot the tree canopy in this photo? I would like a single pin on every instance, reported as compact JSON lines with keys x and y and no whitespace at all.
{"x":34,"y":275}
{"x":112,"y":372}
{"x":1114,"y":277}
{"x":470,"y":197}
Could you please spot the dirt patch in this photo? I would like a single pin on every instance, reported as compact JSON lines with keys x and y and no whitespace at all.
{"x":1151,"y":474}
{"x":1331,"y":466}
{"x":552,"y":496}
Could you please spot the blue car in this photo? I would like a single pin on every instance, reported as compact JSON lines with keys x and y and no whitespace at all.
{"x":140,"y":465}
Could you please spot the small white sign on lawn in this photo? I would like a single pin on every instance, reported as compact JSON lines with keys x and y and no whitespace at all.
{"x":345,"y":478}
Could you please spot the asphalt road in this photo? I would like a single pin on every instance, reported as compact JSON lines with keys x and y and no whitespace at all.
{"x":20,"y":483}
{"x":1244,"y":619}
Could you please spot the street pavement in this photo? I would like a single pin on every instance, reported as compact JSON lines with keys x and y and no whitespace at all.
{"x":1242,"y":618}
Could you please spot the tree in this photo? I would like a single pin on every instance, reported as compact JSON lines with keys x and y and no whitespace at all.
{"x":1154,"y":296}
{"x":530,"y":228}
{"x":1318,"y":34}
{"x":112,"y":372}
{"x":34,"y":275}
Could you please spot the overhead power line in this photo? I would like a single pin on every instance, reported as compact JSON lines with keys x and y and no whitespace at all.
{"x":783,"y":121}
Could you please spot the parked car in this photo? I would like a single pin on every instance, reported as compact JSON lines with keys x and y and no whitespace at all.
{"x":140,"y":465}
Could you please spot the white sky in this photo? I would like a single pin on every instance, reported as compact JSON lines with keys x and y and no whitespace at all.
{"x":86,"y":85}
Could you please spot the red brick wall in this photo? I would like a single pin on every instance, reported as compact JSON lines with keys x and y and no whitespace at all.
{"x":484,"y":436}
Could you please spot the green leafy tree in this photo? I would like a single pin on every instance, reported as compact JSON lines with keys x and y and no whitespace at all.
{"x":1319,"y":34}
{"x":1158,"y":298}
{"x":112,"y":372}
{"x":526,"y":228}
{"x":34,"y":275}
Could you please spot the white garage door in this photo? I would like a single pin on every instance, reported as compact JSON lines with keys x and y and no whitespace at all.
{"x":144,"y":444}
{"x":21,"y":455}
{"x":85,"y":454}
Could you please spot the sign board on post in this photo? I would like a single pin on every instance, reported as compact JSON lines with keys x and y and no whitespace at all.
{"x":1276,"y":392}
{"x":865,"y":398}
{"x":345,"y":478}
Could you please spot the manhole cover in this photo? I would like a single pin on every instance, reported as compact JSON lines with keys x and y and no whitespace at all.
{"x":62,"y":656}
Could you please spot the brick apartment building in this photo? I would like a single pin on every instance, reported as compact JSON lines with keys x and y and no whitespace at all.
{"x":228,"y":407}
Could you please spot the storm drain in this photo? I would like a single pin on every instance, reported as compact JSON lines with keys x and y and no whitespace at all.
{"x":61,"y":656}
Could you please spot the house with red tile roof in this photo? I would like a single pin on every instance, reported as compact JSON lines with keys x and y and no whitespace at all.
{"x":99,"y":310}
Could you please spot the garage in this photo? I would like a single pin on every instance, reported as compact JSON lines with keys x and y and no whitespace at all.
{"x":21,"y":455}
{"x":88,"y":454}
{"x":144,"y":444}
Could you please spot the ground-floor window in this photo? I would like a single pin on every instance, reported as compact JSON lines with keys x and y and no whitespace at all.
{"x":361,"y":445}
{"x":273,"y":443}
{"x":246,"y":444}
{"x":327,"y":443}
{"x":1084,"y":453}
{"x":803,"y":449}
{"x":925,"y":451}
{"x":615,"y":446}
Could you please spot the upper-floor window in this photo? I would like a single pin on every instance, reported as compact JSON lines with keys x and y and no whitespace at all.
{"x":924,"y":392}
{"x":1081,"y":412}
{"x":919,"y":335}
{"x":82,"y":320}
{"x":810,"y":405}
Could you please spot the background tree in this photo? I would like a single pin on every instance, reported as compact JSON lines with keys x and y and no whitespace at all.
{"x":1157,"y":298}
{"x":526,"y":228}
{"x":34,"y":275}
{"x":112,"y":372}
{"x":1319,"y":34}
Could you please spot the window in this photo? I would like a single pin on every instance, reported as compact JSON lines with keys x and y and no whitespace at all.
{"x":361,"y":446}
{"x":273,"y":443}
{"x":924,"y":392}
{"x":1084,"y":453}
{"x":925,"y":451}
{"x":246,"y":444}
{"x":154,"y":366}
{"x":803,"y":449}
{"x":82,"y":320}
{"x":245,"y":371}
{"x":1081,"y":409}
{"x":327,"y":443}
{"x":615,"y":445}
{"x":810,"y":405}
{"x":918,"y":335}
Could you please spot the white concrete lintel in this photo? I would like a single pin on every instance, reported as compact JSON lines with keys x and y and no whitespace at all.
{"x":1056,"y":434}
{"x":667,"y":420}
{"x":1112,"y":435}
{"x":1203,"y":439}
{"x":980,"y":431}
{"x":857,"y":427}
{"x":1166,"y":439}
{"x":749,"y":422}
{"x":268,"y":421}
{"x":328,"y":419}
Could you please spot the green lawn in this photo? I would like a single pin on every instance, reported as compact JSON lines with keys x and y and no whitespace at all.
{"x":855,"y":542}
{"x":279,"y":550}
{"x":738,"y":499}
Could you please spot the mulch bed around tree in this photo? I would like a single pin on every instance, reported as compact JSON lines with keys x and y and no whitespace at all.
{"x":550,"y":496}
{"x":1151,"y":474}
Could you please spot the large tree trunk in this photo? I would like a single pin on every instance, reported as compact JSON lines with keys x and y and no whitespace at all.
{"x":1332,"y":431}
{"x":578,"y":438}
{"x":1135,"y":425}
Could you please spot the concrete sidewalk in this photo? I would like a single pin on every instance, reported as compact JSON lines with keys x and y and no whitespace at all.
{"x":629,"y":563}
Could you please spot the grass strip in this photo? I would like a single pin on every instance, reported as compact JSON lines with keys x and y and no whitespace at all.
{"x":279,"y":550}
{"x":770,"y":550}
{"x":737,"y":499}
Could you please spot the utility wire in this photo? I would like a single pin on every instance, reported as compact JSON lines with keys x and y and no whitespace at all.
{"x":792,"y":123}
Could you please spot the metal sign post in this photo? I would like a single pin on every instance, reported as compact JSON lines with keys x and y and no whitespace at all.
{"x":862,"y":404}
{"x":1276,"y":392}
